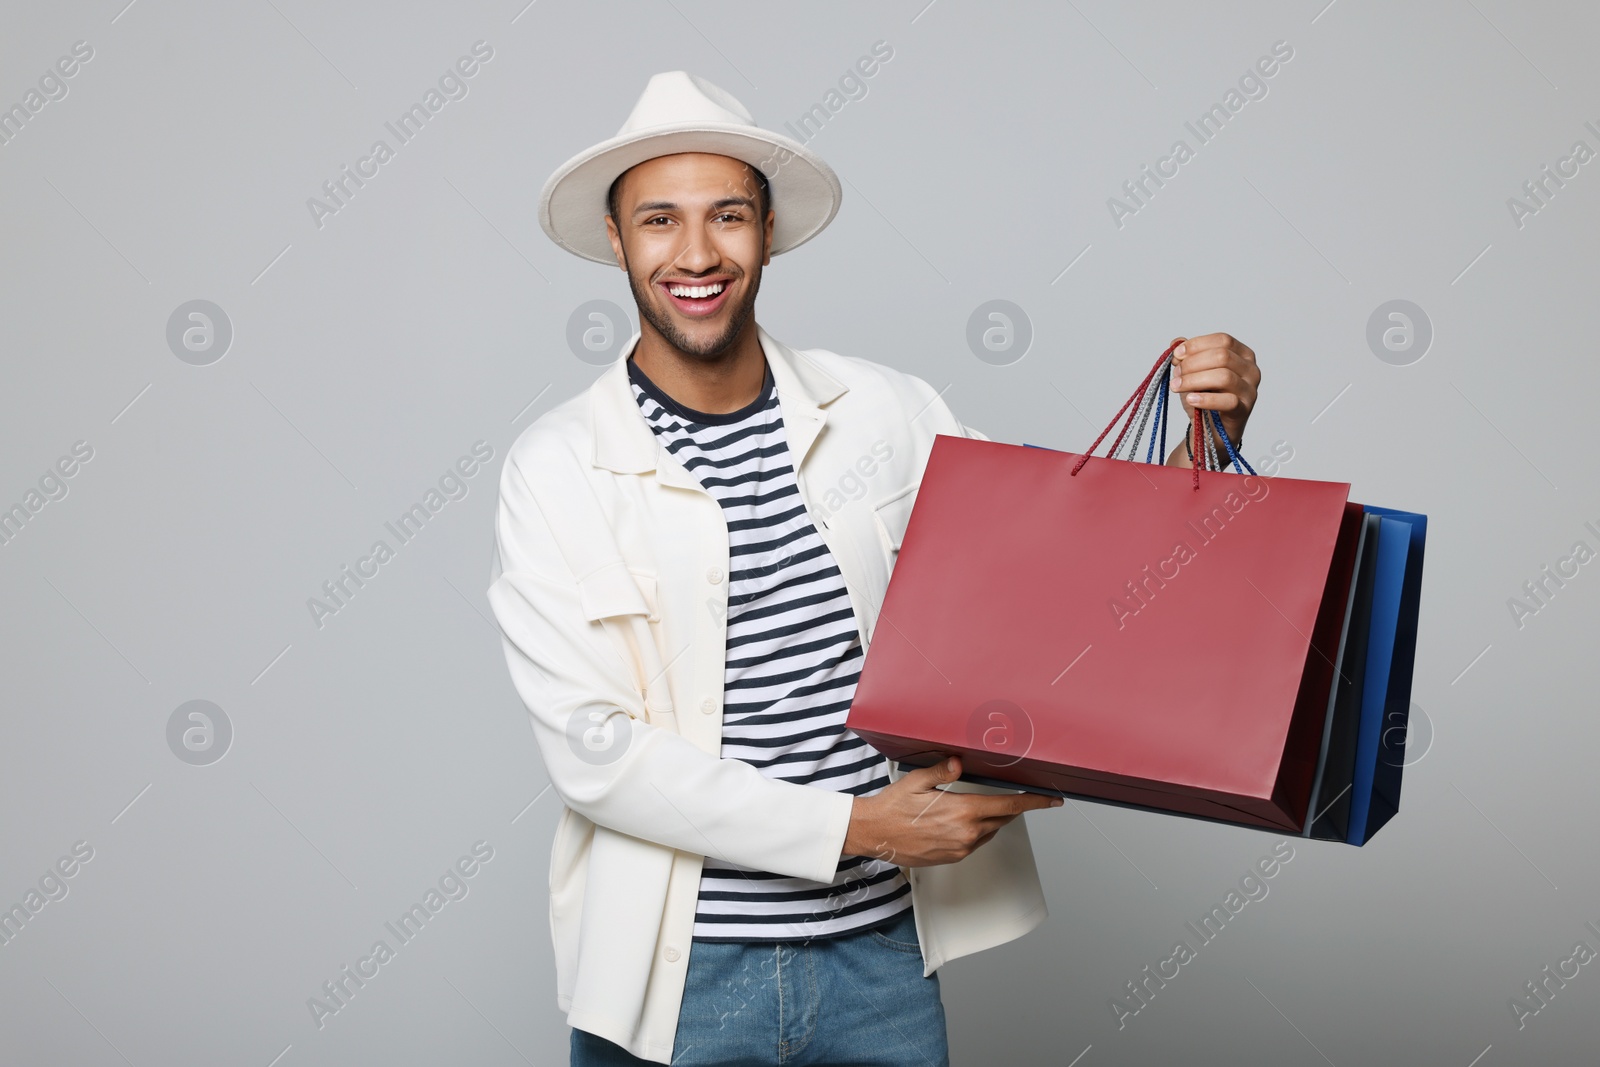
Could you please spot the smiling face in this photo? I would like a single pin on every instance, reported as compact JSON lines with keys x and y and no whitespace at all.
{"x":689,"y":233}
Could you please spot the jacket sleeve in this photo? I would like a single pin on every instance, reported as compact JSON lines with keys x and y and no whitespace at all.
{"x":615,"y":756}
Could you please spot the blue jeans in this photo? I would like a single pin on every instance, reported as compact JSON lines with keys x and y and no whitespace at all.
{"x":858,"y":999}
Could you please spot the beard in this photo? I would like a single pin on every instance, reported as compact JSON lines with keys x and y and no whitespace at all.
{"x":645,"y":295}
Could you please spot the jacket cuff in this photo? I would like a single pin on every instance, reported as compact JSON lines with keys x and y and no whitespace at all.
{"x":830,"y":846}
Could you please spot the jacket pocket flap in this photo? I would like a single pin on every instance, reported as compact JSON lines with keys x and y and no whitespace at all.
{"x":615,"y":590}
{"x":894,"y":512}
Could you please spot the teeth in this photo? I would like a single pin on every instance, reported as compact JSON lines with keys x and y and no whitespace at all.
{"x":698,"y":292}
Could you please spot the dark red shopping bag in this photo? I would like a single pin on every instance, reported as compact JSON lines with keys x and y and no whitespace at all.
{"x":1136,"y":633}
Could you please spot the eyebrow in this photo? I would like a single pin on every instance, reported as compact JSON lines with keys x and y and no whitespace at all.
{"x":667,"y":205}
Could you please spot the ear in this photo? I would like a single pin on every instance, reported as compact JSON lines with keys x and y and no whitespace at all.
{"x":615,"y":237}
{"x":766,"y":239}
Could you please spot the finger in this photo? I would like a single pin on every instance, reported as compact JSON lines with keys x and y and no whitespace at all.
{"x":1189,"y":374}
{"x":1224,"y":379}
{"x":946,"y":770}
{"x":1219,"y":402}
{"x":1218,"y":349}
{"x":1202,"y":358}
{"x":1207,"y":341}
{"x":1211,"y":358}
{"x":1028,"y":801}
{"x":993,"y":807}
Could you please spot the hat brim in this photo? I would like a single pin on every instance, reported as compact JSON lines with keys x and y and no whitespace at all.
{"x":805,"y":190}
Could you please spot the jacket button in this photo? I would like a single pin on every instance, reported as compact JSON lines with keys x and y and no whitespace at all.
{"x":671,"y":954}
{"x":714,"y":575}
{"x":708,"y":705}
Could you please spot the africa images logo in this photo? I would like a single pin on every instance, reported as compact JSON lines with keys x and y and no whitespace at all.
{"x":452,"y":85}
{"x":1141,"y":189}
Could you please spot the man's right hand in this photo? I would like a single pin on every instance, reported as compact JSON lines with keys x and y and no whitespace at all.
{"x":914,"y":823}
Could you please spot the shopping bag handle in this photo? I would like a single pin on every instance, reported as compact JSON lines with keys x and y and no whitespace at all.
{"x":1152,"y":395}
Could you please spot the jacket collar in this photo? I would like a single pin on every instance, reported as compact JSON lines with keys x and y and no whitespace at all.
{"x":624,"y":442}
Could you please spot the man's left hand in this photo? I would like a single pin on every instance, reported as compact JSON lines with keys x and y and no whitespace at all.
{"x":1215,"y":372}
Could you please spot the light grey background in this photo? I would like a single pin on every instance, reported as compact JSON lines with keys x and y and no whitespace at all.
{"x":431,"y":312}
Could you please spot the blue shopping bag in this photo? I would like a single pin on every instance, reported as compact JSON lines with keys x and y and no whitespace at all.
{"x":1391,"y":655}
{"x":1328,"y":817}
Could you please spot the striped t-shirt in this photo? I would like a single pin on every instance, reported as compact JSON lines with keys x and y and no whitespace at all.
{"x":793,"y":658}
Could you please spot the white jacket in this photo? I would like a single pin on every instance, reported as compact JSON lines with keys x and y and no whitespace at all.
{"x":610,"y":588}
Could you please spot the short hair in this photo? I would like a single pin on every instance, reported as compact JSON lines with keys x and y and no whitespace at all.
{"x":765,"y":197}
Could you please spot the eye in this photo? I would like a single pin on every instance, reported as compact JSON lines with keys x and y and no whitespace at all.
{"x":656,"y":218}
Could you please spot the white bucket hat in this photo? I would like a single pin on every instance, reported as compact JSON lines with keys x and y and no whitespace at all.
{"x":679,"y":112}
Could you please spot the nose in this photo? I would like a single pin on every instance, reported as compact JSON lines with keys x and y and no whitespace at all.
{"x":699,"y":254}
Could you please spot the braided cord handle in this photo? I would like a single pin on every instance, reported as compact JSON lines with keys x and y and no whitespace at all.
{"x":1233,"y":453}
{"x":1151,"y":397}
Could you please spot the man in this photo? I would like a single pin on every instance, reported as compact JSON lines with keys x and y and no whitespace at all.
{"x":691,"y":556}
